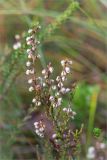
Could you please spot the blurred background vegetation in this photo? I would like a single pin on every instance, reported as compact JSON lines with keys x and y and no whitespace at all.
{"x":80,"y":36}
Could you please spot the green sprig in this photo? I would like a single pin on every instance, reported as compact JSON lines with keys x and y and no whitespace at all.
{"x":60,"y":20}
{"x":96,"y":132}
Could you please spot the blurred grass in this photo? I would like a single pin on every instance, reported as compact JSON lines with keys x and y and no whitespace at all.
{"x":92,"y":112}
{"x":83,"y":38}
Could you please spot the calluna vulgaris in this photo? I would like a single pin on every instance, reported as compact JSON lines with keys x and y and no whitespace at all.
{"x":50,"y":93}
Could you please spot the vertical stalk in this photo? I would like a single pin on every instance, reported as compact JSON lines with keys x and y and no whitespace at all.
{"x":93,"y":106}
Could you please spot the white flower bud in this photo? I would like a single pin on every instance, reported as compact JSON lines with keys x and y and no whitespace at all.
{"x":28,"y":51}
{"x":63,"y":78}
{"x":74,"y":113}
{"x":30,"y":31}
{"x":37,"y":132}
{"x":58,"y":79}
{"x":27,"y":72}
{"x":39,"y":78}
{"x":44,"y":84}
{"x":17,"y":36}
{"x":17,"y":46}
{"x":68,"y":90}
{"x":30,"y":81}
{"x":54,"y":135}
{"x":63,"y":90}
{"x":51,"y":69}
{"x":41,"y":135}
{"x":63,"y":73}
{"x":67,"y":69}
{"x":59,"y":99}
{"x":45,"y":76}
{"x":91,"y":153}
{"x":34,"y":48}
{"x":69,"y":110}
{"x":38,"y":103}
{"x":52,"y":80}
{"x":51,"y":98}
{"x":32,"y":71}
{"x":31,"y":89}
{"x":38,"y":56}
{"x":29,"y":56}
{"x":102,"y":145}
{"x":63,"y":62}
{"x":28,"y":63}
{"x":38,"y":42}
{"x":28,"y":39}
{"x":57,"y":94}
{"x":29,"y":42}
{"x":55,"y":105}
{"x":41,"y":129}
{"x":36,"y":124}
{"x":60,"y":84}
{"x":39,"y":27}
{"x":65,"y":109}
{"x":34,"y":100}
{"x":43,"y":71}
{"x":54,"y":87}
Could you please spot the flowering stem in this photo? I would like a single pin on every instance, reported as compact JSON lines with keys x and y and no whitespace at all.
{"x":60,"y":19}
{"x":54,"y":120}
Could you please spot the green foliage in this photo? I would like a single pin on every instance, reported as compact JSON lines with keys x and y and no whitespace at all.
{"x":96,"y":132}
{"x":73,"y":6}
{"x":81,"y":102}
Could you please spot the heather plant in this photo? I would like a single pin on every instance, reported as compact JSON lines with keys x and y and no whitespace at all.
{"x":54,"y":108}
{"x":49,"y":94}
{"x":13,"y":58}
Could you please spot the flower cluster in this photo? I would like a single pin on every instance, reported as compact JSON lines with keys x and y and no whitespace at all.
{"x":69,"y":111}
{"x":66,"y":64}
{"x":40,"y":84}
{"x":91,"y":153}
{"x":49,"y":93}
{"x":98,"y":151}
{"x":32,"y":44}
{"x":39,"y":128}
{"x":17,"y":43}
